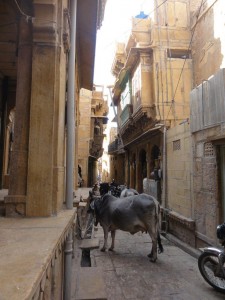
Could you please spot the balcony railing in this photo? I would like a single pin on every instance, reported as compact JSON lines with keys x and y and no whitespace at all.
{"x":126,"y":113}
{"x":115,"y":147}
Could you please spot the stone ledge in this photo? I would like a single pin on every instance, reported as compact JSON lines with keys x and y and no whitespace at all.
{"x":187,"y":222}
{"x":28,"y":247}
{"x":184,"y":246}
{"x":90,"y":284}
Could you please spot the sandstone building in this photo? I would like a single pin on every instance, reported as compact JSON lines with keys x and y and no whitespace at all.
{"x":169,"y":93}
{"x":92,"y":123}
{"x":47,"y":51}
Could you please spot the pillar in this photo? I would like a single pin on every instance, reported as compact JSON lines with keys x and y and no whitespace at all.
{"x":147,"y":97}
{"x":43,"y":177}
{"x":16,"y":199}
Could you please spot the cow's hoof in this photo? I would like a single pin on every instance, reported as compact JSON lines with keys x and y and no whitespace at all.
{"x":111,"y":249}
{"x":160,"y":250}
{"x":150,"y":255}
{"x":103,"y":249}
{"x":153,"y":259}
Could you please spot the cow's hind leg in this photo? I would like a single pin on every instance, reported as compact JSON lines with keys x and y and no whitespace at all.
{"x":106,"y":232}
{"x":161,"y":249}
{"x":153,"y":234}
{"x":113,"y":233}
{"x":153,"y":254}
{"x":159,"y":243}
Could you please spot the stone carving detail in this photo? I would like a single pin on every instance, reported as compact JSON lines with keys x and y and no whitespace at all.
{"x":44,"y":24}
{"x":66,"y":30}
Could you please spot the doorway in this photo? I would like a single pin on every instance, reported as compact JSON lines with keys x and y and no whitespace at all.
{"x":142,"y":171}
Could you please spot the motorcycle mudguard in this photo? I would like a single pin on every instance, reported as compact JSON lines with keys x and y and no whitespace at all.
{"x":212,"y":250}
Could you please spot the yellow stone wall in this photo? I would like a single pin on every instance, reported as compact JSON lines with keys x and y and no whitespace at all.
{"x":192,"y":179}
{"x":208,"y":51}
{"x":179,"y":170}
{"x":208,"y":48}
{"x":84,"y":132}
{"x":117,"y":169}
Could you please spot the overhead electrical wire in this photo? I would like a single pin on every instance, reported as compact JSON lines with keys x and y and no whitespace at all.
{"x":170,"y":65}
{"x":139,"y":21}
{"x":32,"y":18}
{"x":192,"y":35}
{"x":160,"y":60}
{"x":22,"y":12}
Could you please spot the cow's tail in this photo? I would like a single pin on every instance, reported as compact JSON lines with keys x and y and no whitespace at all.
{"x":158,"y":222}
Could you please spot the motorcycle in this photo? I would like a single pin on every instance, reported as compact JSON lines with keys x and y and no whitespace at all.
{"x":211,"y":262}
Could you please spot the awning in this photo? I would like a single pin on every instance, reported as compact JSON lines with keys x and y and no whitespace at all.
{"x":87,"y":16}
{"x":149,"y":133}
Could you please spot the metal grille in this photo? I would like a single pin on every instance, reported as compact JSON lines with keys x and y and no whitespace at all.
{"x":209,"y":150}
{"x":176,"y":145}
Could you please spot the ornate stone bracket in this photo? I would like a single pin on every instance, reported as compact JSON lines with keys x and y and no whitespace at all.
{"x":45,"y":28}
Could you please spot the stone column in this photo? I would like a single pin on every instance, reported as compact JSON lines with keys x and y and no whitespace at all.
{"x":148,"y":159}
{"x":147,"y":97}
{"x":16,"y":199}
{"x":44,"y":135}
{"x":137,"y":171}
{"x":127,"y":169}
{"x":132,"y":169}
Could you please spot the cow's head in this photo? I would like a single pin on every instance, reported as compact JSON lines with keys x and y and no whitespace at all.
{"x":92,"y":209}
{"x":104,"y":188}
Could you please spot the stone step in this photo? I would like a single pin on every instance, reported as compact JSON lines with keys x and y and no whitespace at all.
{"x":89,"y":244}
{"x":2,"y":208}
{"x":90,"y":284}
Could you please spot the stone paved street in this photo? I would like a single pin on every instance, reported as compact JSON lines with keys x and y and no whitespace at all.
{"x":128,"y":274}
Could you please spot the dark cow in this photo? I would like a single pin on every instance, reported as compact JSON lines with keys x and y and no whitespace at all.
{"x":132,"y":214}
{"x":104,"y":188}
{"x":112,"y":188}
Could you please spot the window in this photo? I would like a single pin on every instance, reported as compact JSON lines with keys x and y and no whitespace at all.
{"x":176,"y":145}
{"x":178,"y":53}
{"x":209,"y":150}
{"x":125,"y":96}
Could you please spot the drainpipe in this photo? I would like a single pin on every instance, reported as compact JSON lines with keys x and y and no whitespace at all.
{"x":164,"y":169}
{"x":70,"y":150}
{"x":164,"y":165}
{"x":70,"y":110}
{"x":68,"y":251}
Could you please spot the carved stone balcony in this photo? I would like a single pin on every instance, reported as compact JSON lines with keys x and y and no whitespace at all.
{"x":96,"y":149}
{"x":115,"y":147}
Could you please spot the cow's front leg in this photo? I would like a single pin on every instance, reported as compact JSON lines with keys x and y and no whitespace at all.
{"x":106,"y":232}
{"x":113,"y":233}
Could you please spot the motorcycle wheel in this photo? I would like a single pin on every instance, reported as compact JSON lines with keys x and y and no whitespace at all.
{"x":208,"y":266}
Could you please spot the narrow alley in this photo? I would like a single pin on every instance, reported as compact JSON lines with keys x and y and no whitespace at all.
{"x":127,"y":273}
